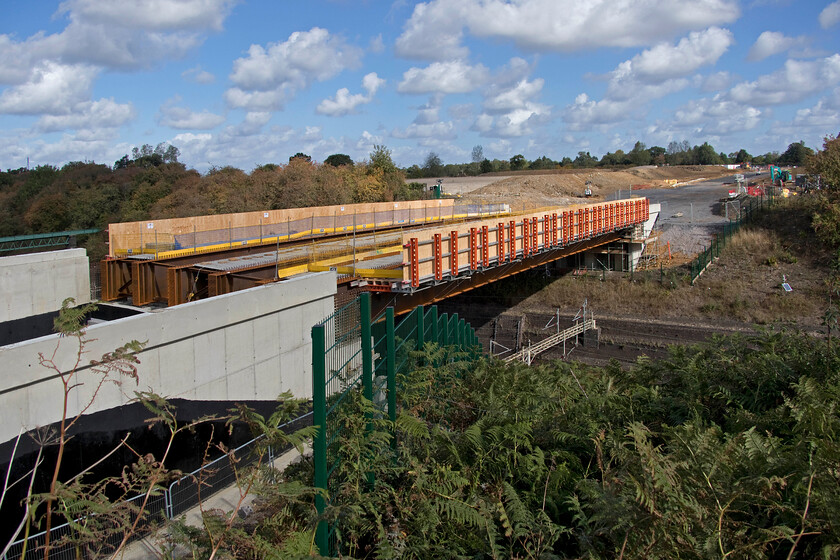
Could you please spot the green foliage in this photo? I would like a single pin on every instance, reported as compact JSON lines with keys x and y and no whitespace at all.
{"x":337,"y":160}
{"x":432,"y":165}
{"x":518,"y":162}
{"x":796,"y":154}
{"x":722,"y":450}
{"x":826,"y":163}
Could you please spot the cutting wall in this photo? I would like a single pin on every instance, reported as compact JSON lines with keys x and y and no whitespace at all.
{"x":249,"y":345}
{"x":37,"y":283}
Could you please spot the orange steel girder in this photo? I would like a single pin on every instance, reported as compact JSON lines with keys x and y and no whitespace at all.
{"x":406,"y":302}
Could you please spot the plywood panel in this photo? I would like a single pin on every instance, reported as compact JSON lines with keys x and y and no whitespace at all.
{"x":162,"y":233}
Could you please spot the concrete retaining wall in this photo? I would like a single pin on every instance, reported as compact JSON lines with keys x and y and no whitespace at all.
{"x":37,"y":283}
{"x":248,"y":345}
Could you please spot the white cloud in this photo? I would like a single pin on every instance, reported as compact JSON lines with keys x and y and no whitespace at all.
{"x":89,"y":115}
{"x":436,"y":28}
{"x":268,"y":77}
{"x":255,"y":100}
{"x":344,"y":103}
{"x":252,"y":124}
{"x":120,"y":35}
{"x":652,"y":74}
{"x":367,"y":141}
{"x":665,"y":61}
{"x":152,"y":15}
{"x":305,"y":56}
{"x":438,"y":130}
{"x":770,"y":43}
{"x":183,"y":118}
{"x":461,"y":111}
{"x":830,"y":16}
{"x":585,"y":112}
{"x":511,"y":110}
{"x":514,"y":98}
{"x":519,"y":122}
{"x":52,"y":88}
{"x":429,"y":112}
{"x":198,"y":76}
{"x":717,"y":116}
{"x":434,"y":31}
{"x":795,"y":81}
{"x":377,"y":45}
{"x":453,"y":76}
{"x":717,"y":81}
{"x":825,"y":115}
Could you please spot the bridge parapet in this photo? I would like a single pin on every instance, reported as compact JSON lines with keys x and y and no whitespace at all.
{"x":436,"y":255}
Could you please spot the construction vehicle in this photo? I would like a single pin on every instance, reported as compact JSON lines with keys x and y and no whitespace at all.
{"x":587,"y":191}
{"x":780,"y":176}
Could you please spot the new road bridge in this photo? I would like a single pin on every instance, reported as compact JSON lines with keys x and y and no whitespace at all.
{"x":409,"y":253}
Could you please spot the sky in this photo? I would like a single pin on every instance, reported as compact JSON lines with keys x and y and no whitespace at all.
{"x":249,"y":82}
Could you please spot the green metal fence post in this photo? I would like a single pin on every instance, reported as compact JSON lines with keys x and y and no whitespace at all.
{"x":421,"y":327}
{"x":453,"y":330}
{"x":444,"y":331}
{"x":434,"y":319}
{"x":367,"y":360}
{"x":319,"y":442}
{"x":367,"y":350}
{"x":391,"y":370}
{"x":462,"y":334}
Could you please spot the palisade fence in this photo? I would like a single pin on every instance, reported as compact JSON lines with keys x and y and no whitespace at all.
{"x":352,"y":351}
{"x":164,"y":503}
{"x":747,"y":211}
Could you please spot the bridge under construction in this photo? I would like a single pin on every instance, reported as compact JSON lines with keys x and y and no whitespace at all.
{"x":408,"y":253}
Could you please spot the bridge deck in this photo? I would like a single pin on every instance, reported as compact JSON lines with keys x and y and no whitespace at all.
{"x":404,"y":260}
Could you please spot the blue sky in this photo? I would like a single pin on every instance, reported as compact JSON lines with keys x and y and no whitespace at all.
{"x":248,"y":82}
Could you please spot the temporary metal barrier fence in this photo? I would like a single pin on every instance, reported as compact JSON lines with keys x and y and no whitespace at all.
{"x":183,"y":494}
{"x":351,"y":351}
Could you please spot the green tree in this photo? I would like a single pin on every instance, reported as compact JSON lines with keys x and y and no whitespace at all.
{"x":826,"y":163}
{"x":705,"y":155}
{"x":584,"y":160}
{"x":639,"y":155}
{"x":657,"y":155}
{"x":337,"y":160}
{"x":380,"y":158}
{"x":742,"y":156}
{"x":432,"y":165}
{"x":517,"y":162}
{"x":301,"y":156}
{"x":486,"y":166}
{"x":543,"y":163}
{"x":796,"y":154}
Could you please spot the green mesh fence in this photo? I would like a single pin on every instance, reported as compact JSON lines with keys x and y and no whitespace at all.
{"x":747,"y":211}
{"x":352,"y":351}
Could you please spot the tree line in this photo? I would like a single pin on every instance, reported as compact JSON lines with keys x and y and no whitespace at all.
{"x":677,"y":153}
{"x":152,"y":183}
